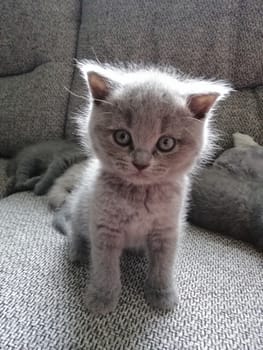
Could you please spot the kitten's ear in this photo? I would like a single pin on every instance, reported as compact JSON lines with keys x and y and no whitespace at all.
{"x":199,"y":105}
{"x":100,"y":86}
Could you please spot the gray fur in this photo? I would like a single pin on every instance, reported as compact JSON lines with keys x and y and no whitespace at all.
{"x":117,"y":206}
{"x":37,"y":166}
{"x":228,"y":196}
{"x":64,"y":185}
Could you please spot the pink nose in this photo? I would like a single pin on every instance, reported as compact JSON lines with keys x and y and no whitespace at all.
{"x":140,"y":166}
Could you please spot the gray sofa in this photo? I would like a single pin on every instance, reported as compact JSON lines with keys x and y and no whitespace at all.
{"x":220,"y":280}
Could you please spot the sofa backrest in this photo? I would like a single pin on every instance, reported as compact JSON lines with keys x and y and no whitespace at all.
{"x":37,"y":46}
{"x":208,"y":38}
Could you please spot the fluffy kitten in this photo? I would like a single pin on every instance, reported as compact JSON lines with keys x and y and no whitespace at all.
{"x":38,"y":165}
{"x":64,"y":185}
{"x":228,"y":196}
{"x":147,"y":128}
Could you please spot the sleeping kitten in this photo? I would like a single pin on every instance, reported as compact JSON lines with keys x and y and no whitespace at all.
{"x":228,"y":196}
{"x":37,"y":166}
{"x":147,"y":128}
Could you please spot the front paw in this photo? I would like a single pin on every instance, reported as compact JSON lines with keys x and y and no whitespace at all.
{"x":101,"y":302}
{"x":164,"y":299}
{"x":39,"y":189}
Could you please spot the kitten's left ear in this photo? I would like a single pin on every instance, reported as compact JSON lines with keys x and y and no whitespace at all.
{"x":200,"y":105}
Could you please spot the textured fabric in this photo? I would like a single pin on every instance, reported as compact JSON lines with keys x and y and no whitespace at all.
{"x":241,"y":112}
{"x":220,"y":39}
{"x":3,"y":177}
{"x":37,"y":47}
{"x":33,"y":106}
{"x":220,"y":284}
{"x":33,"y":33}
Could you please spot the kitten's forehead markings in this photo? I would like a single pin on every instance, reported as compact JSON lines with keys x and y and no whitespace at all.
{"x":165,"y":123}
{"x":128,"y":118}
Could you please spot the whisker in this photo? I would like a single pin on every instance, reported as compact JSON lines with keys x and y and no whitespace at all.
{"x":72,"y":93}
{"x":195,"y":120}
{"x":121,"y":163}
{"x":95,"y":55}
{"x":103,"y":101}
{"x":107,"y":113}
{"x":87,"y":99}
{"x":121,"y":160}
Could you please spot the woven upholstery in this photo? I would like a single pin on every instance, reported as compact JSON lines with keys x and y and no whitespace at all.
{"x":220,"y":283}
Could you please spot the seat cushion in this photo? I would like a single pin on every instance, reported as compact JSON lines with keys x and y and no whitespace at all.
{"x":3,"y":176}
{"x":37,"y":47}
{"x":219,"y":280}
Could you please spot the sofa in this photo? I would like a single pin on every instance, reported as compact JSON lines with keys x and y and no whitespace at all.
{"x":220,"y":280}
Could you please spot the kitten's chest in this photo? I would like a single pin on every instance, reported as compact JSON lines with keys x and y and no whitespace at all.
{"x":142,"y":216}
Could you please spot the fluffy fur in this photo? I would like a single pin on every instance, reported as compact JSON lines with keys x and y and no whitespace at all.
{"x":134,"y":196}
{"x":64,"y":185}
{"x":228,"y":196}
{"x":36,"y":166}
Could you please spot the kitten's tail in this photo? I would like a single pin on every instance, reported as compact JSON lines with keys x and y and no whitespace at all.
{"x":61,"y":221}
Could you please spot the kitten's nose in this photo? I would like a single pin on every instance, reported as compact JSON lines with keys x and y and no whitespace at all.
{"x":141,"y":159}
{"x":140,"y":166}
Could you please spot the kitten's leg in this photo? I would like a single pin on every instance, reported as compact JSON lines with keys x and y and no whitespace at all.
{"x":10,"y":187}
{"x":105,"y":285}
{"x":11,"y":167}
{"x":57,"y":196}
{"x":23,"y":174}
{"x":55,"y":169}
{"x":28,"y":185}
{"x":61,"y":221}
{"x":78,"y":234}
{"x":159,"y":288}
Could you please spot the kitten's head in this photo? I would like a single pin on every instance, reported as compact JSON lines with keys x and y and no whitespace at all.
{"x":145,"y":125}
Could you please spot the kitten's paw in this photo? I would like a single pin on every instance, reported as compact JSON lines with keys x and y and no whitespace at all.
{"x":164,"y":299}
{"x":101,"y":302}
{"x":39,"y":189}
{"x":79,"y":253}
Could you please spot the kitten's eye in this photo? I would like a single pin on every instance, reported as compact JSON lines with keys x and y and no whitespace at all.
{"x":166,"y":143}
{"x":122,"y":137}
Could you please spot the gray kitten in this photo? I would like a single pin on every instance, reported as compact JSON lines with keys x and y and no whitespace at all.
{"x":36,"y":166}
{"x":147,"y":128}
{"x":228,"y":196}
{"x":64,"y":185}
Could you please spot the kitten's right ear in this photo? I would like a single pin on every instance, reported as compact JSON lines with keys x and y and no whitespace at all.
{"x":99,"y":85}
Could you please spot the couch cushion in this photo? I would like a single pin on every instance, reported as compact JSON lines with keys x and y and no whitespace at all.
{"x":211,"y":39}
{"x":241,"y":112}
{"x":215,"y":39}
{"x":3,"y":176}
{"x":220,"y":283}
{"x":37,"y":46}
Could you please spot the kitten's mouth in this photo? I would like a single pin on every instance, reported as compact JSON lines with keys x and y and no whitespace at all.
{"x":140,"y":176}
{"x":140,"y":173}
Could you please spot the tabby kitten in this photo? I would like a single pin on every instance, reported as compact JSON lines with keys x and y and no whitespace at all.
{"x":147,"y":128}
